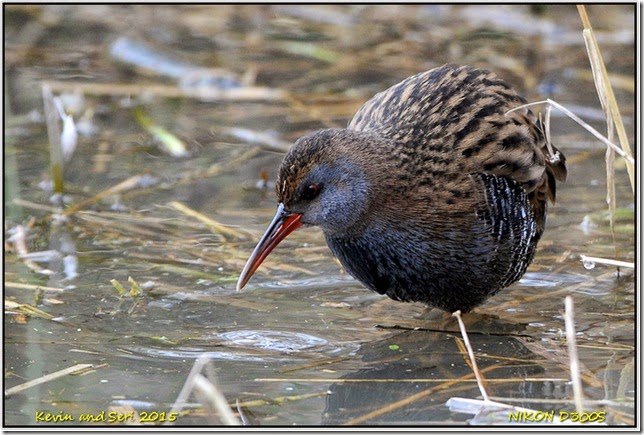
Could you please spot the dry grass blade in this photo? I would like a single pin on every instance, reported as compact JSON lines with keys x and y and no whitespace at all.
{"x":34,"y":206}
{"x":35,"y":287}
{"x":605,"y":90}
{"x":572,"y":354}
{"x":213,"y":224}
{"x":122,"y":186}
{"x":47,"y":378}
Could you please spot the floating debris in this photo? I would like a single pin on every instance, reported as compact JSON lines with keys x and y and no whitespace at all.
{"x":143,"y":56}
{"x":170,"y":143}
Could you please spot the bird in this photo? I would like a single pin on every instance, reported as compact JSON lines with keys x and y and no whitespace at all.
{"x":436,"y":192}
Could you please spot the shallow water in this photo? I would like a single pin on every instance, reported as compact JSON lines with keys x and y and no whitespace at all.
{"x":303,"y":336}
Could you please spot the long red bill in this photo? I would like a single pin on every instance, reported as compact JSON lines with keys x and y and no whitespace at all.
{"x":283,"y":224}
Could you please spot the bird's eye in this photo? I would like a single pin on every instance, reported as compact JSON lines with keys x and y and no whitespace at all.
{"x":310,"y":192}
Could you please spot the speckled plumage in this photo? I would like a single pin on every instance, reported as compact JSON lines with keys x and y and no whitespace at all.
{"x":434,"y":193}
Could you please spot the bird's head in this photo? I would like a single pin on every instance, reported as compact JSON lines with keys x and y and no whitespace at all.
{"x":323,"y":181}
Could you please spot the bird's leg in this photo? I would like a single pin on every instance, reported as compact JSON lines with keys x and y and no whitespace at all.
{"x":470,"y":352}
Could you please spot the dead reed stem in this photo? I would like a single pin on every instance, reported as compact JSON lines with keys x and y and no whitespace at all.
{"x":47,"y":378}
{"x":53,"y":133}
{"x":35,"y":287}
{"x":207,"y":390}
{"x":605,"y":91}
{"x":215,"y":226}
{"x":122,"y":186}
{"x":572,"y":354}
{"x":246,"y":93}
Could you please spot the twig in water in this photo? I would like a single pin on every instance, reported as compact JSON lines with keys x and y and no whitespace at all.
{"x":572,"y":354}
{"x":46,"y":378}
{"x":618,"y":263}
{"x":214,"y":397}
{"x":122,"y":186}
{"x":246,"y":417}
{"x":217,"y":227}
{"x":35,"y":287}
{"x":470,"y":352}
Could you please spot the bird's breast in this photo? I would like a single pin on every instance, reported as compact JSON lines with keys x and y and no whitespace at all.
{"x":453,"y":259}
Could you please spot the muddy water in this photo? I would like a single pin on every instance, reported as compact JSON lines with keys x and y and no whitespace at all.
{"x":303,"y":344}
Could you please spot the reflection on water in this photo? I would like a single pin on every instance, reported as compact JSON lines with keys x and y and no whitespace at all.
{"x":303,"y":336}
{"x":423,"y":363}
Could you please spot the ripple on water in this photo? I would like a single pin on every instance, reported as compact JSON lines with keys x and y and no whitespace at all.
{"x":182,"y":354}
{"x":279,"y":341}
{"x":246,"y":342}
{"x":537,"y":279}
{"x":327,"y":281}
